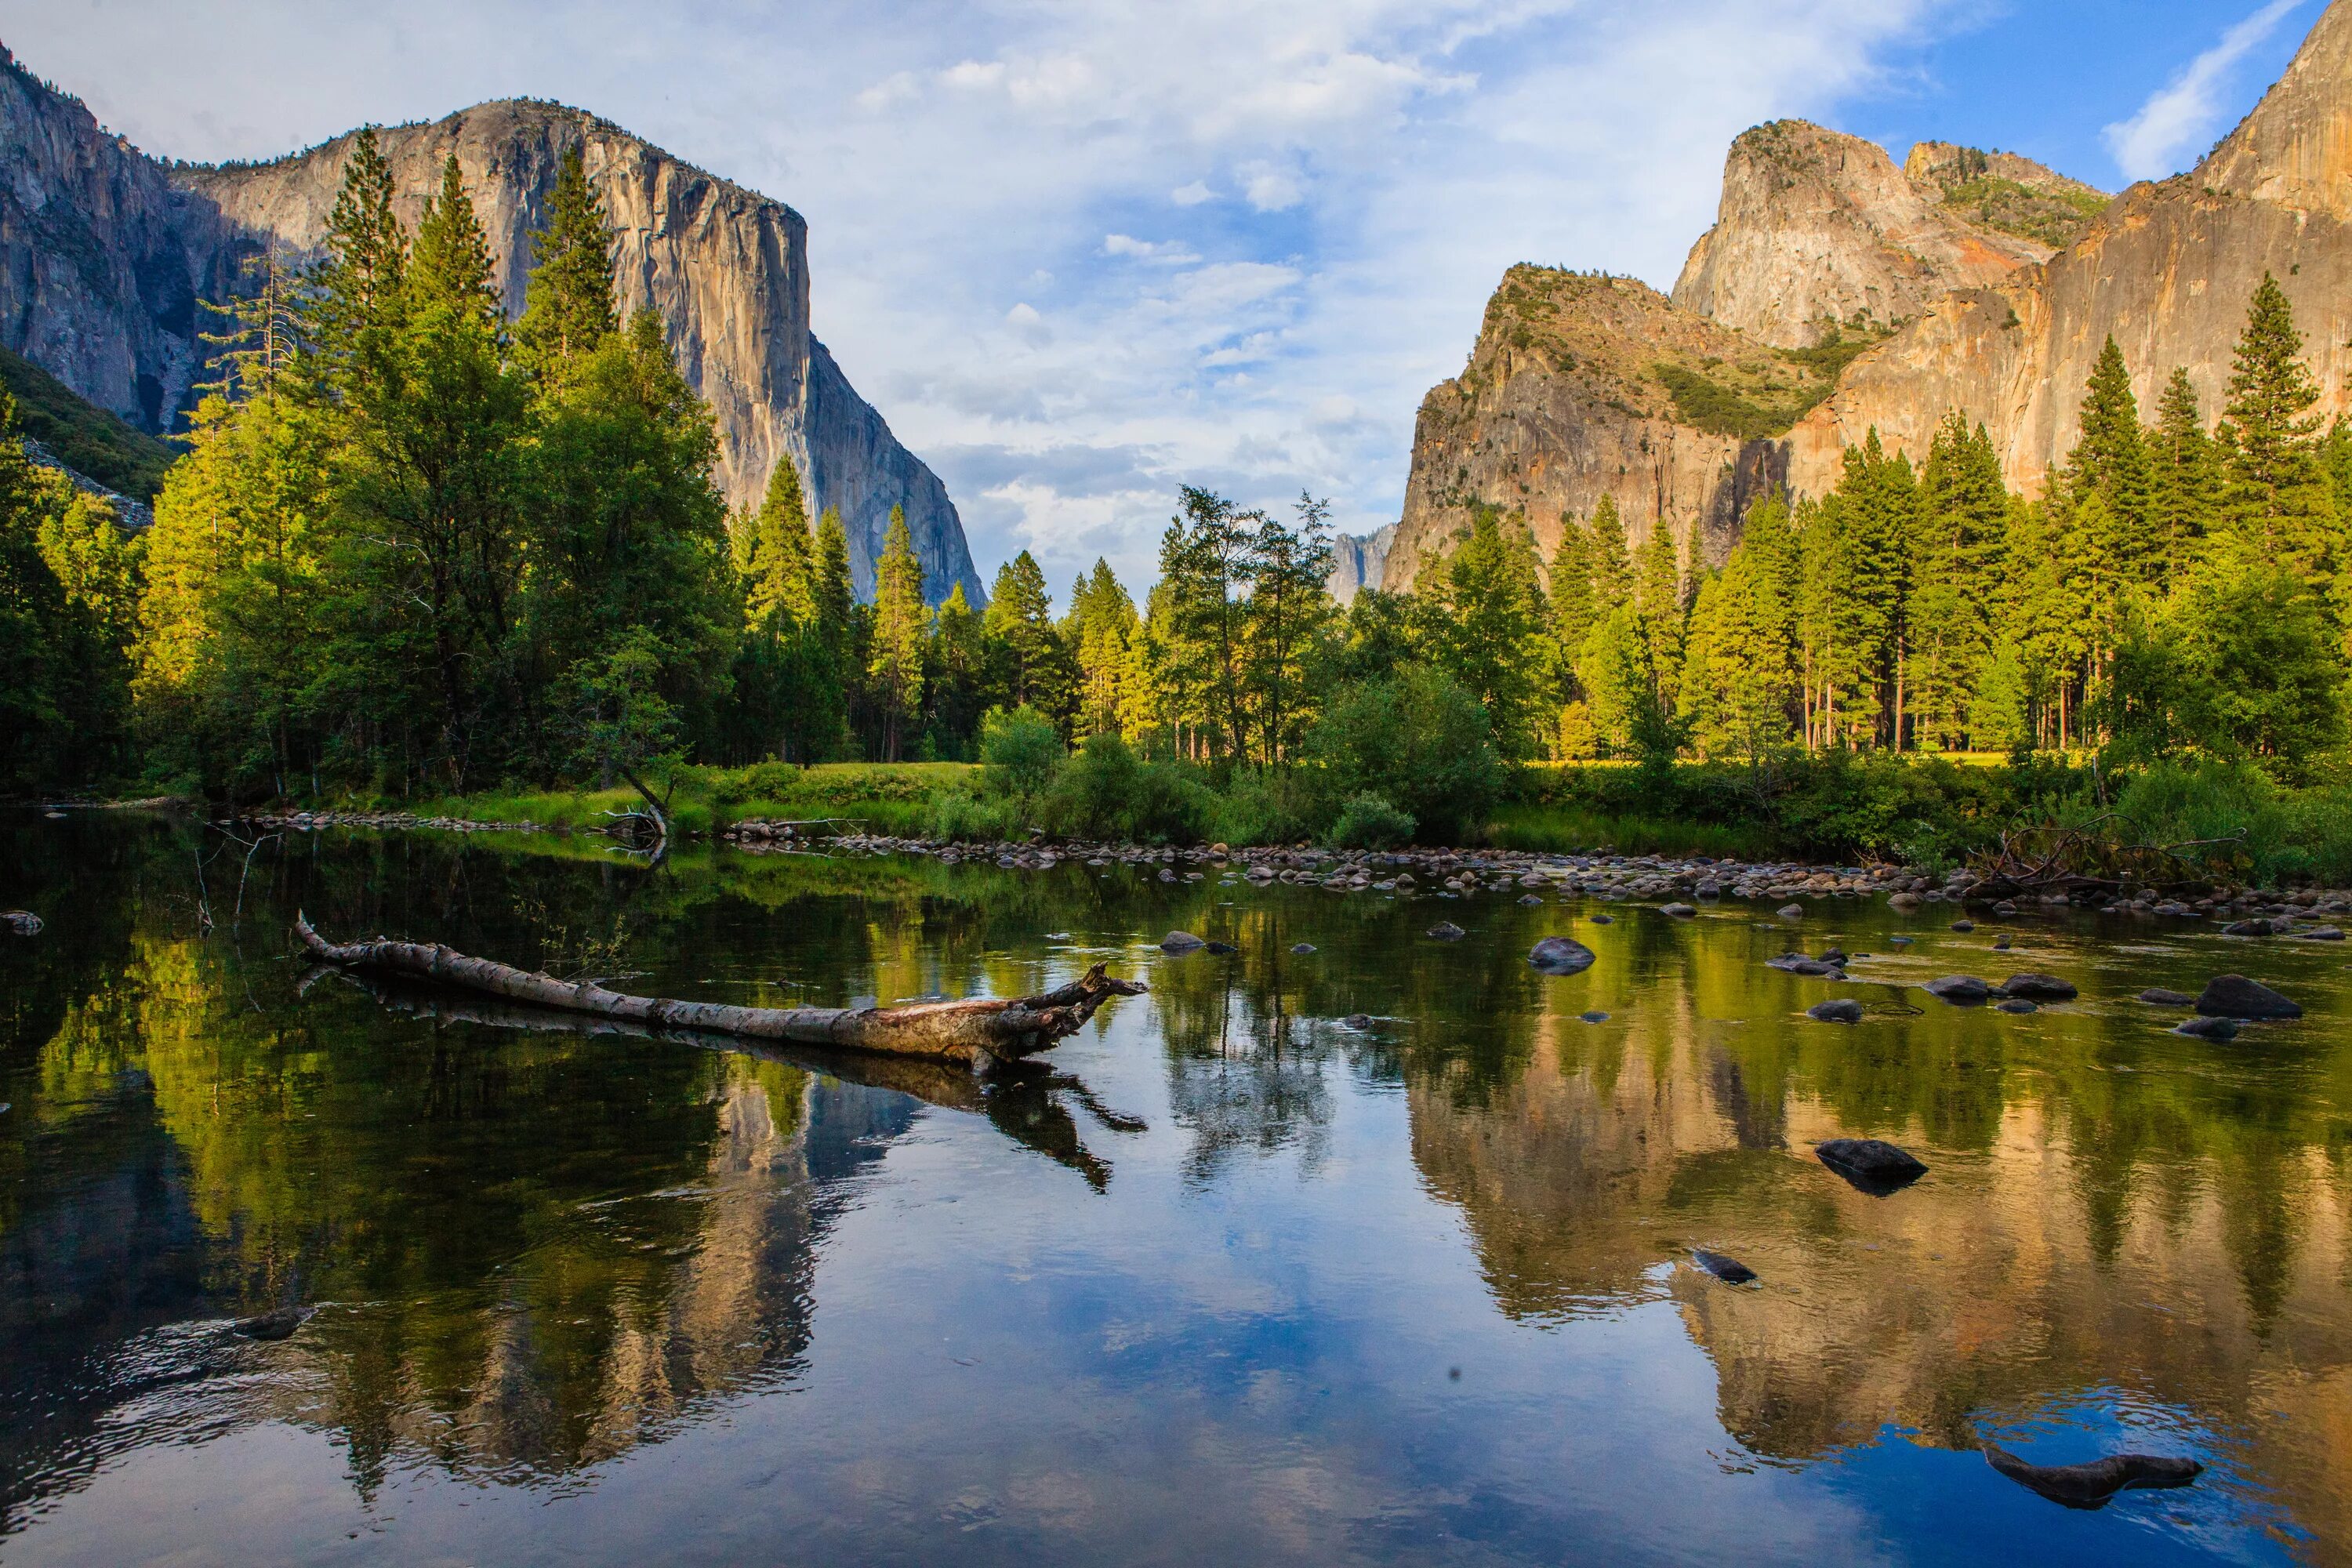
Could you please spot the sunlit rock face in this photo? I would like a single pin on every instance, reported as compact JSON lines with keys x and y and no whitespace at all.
{"x":2167,"y":271}
{"x":1818,"y":229}
{"x":104,"y":252}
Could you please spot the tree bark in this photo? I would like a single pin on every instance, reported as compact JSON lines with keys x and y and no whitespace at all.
{"x":974,"y":1031}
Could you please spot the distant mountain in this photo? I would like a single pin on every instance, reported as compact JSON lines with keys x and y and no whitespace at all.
{"x":105,"y":251}
{"x":1358,"y":561}
{"x":99,"y":448}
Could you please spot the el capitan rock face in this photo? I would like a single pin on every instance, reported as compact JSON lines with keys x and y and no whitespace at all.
{"x":104,"y":251}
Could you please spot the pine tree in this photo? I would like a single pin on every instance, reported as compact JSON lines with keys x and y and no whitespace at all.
{"x":957,"y":675}
{"x":778,"y":554}
{"x":1100,"y":629}
{"x":2188,"y":480}
{"x":1290,"y":605}
{"x":1032,"y":668}
{"x":568,"y":307}
{"x":2277,"y":501}
{"x":1965,"y":513}
{"x":1200,"y":628}
{"x":358,"y":287}
{"x":901,"y":632}
{"x":1611,"y":564}
{"x":1569,"y":591}
{"x":1658,"y":596}
{"x":2110,"y":457}
{"x":1481,"y":617}
{"x":450,"y":264}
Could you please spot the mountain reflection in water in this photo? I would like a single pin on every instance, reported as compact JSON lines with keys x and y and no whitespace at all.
{"x":1415,"y":1292}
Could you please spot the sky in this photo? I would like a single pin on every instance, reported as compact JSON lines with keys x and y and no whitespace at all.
{"x":1080,"y":253}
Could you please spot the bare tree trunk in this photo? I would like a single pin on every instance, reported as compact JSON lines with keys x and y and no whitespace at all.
{"x":970,"y":1031}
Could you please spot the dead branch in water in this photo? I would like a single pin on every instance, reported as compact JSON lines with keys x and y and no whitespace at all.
{"x":974,"y":1031}
{"x":2100,"y":856}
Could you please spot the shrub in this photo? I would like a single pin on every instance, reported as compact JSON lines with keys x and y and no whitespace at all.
{"x":1368,"y":822}
{"x":1418,"y":740}
{"x":959,"y":813}
{"x":1020,"y":749}
{"x":1108,"y":791}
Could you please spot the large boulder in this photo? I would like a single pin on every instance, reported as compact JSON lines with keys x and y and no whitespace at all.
{"x":2235,"y":996}
{"x":1959,"y":990}
{"x":1559,"y":955}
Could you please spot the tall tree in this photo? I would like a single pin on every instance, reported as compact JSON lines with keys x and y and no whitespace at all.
{"x":2277,"y":502}
{"x":902,"y":634}
{"x":1100,"y":631}
{"x":568,"y":308}
{"x":2188,"y":470}
{"x":1483,"y":620}
{"x":1200,"y":633}
{"x":1289,"y":571}
{"x":1031,"y":664}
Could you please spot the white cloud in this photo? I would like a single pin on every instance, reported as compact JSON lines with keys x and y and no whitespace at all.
{"x":2178,"y":120}
{"x":1385,"y":159}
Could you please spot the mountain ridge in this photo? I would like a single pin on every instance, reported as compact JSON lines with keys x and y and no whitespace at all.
{"x":104,"y":251}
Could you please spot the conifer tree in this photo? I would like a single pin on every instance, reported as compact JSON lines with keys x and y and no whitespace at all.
{"x":1201,"y":625}
{"x":1569,"y":593}
{"x":1481,"y":620}
{"x":2188,"y":471}
{"x":359,"y":284}
{"x":1031,"y":664}
{"x":1100,"y":629}
{"x":449,"y":265}
{"x":1289,"y":571}
{"x":568,"y":308}
{"x":901,"y":633}
{"x":1611,"y":564}
{"x":2277,"y":501}
{"x":1658,"y":596}
{"x":779,"y":562}
{"x":956,"y":676}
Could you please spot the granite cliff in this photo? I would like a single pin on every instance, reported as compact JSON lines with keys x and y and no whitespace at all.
{"x":2167,"y":270}
{"x":104,"y":252}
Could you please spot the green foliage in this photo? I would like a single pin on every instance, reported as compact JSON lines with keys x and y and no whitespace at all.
{"x":2055,"y":218}
{"x":1368,"y":821}
{"x":2233,"y":819}
{"x":1418,"y":740}
{"x":1105,"y":792}
{"x":1720,"y":410}
{"x":1020,"y":748}
{"x":86,"y":438}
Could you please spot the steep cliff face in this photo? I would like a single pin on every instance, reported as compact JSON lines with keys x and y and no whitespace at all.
{"x":1582,"y":386}
{"x":103,"y":253}
{"x":2167,"y":270}
{"x":1818,"y":230}
{"x":2003,"y":192}
{"x":1358,"y":561}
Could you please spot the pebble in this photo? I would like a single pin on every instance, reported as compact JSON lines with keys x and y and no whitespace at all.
{"x":1358,"y":1020}
{"x":1964,"y":925}
{"x":1793,"y":911}
{"x":1679,"y":911}
{"x":277,"y":1325}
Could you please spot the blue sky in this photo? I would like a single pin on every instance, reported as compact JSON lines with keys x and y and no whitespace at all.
{"x":1079,"y":252}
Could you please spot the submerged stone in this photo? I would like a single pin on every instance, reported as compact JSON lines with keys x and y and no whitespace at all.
{"x":2157,"y":997}
{"x":1302,"y":947}
{"x":1872,"y":1164}
{"x":1730,"y":1270}
{"x":2090,"y":1486}
{"x":1446,"y":931}
{"x":2018,"y":1005}
{"x":1561,"y":955}
{"x":277,"y":1325}
{"x":2040,"y":988}
{"x":1959,"y":990}
{"x":2217,"y":1029}
{"x":1181,"y":941}
{"x":1841,"y":1010}
{"x":1595,"y":1017}
{"x":2235,"y":996}
{"x":1679,"y":911}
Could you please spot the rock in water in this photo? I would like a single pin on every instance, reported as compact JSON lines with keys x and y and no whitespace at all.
{"x":1446,"y":931}
{"x":1604,"y":920}
{"x":1679,"y":911}
{"x":2156,"y":996}
{"x":1964,"y":925}
{"x":1595,"y":1017}
{"x":1358,"y":1020}
{"x":1843,"y":1010}
{"x":2040,"y":988}
{"x":2090,"y":1486}
{"x":1561,"y":955}
{"x":1793,"y":911}
{"x":1873,"y":1164}
{"x":1302,"y":947}
{"x":1730,"y":1270}
{"x":2207,"y":1028}
{"x":2258,"y":927}
{"x":2235,"y":996}
{"x":277,"y":1325}
{"x":1181,"y":941}
{"x":21,"y":922}
{"x":2018,"y":1005}
{"x":1528,"y":900}
{"x":1218,"y":947}
{"x":1959,"y":990}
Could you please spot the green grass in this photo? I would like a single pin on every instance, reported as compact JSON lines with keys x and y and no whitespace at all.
{"x":1559,"y":829}
{"x":85,"y":438}
{"x":882,"y":797}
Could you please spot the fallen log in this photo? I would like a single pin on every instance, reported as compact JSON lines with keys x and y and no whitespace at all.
{"x":976,"y":1031}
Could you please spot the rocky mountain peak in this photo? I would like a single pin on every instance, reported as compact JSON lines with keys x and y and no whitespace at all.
{"x":1820,"y":231}
{"x":2295,"y":149}
{"x":2005,"y":192}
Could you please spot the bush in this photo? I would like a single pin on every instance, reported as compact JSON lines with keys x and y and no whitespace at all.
{"x":1368,"y":822}
{"x":1418,"y":740}
{"x":958,"y":814}
{"x":1108,"y":791}
{"x":1020,"y":749}
{"x":2268,"y":834}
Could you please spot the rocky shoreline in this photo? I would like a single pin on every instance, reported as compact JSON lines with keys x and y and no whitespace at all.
{"x":1665,"y":880}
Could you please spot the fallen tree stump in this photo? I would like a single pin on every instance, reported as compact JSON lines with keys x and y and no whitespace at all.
{"x":975,"y":1031}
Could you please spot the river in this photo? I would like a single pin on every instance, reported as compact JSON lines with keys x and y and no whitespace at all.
{"x":1223,"y":1280}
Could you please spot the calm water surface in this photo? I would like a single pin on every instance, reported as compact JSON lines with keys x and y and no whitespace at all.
{"x":1227,"y":1282}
